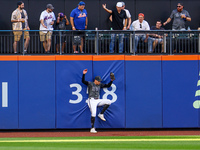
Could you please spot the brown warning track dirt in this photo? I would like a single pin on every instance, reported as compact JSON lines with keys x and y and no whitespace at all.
{"x":82,"y":133}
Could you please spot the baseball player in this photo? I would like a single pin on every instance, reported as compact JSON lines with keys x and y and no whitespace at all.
{"x":93,"y":100}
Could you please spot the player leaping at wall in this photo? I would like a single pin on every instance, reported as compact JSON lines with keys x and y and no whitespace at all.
{"x":93,"y":100}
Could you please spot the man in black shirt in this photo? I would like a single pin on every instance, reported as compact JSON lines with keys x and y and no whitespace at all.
{"x":157,"y":38}
{"x":93,"y":100}
{"x":118,"y":15}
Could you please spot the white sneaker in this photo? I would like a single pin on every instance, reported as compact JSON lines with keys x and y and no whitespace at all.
{"x":92,"y":130}
{"x":101,"y":116}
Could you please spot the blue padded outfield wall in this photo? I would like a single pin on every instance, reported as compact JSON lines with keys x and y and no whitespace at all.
{"x":143,"y":93}
{"x":46,"y":92}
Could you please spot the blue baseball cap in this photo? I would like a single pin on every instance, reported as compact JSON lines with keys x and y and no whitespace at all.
{"x":61,"y":15}
{"x":81,"y":3}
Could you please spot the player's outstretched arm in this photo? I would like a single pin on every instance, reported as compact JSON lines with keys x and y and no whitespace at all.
{"x":106,"y":85}
{"x":112,"y":78}
{"x":84,"y":71}
{"x":83,"y":77}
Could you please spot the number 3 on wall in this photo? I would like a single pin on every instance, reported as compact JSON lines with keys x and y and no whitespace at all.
{"x":77,"y":93}
{"x":80,"y":97}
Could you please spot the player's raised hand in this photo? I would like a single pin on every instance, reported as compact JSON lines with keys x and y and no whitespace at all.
{"x":84,"y":71}
{"x":104,"y":6}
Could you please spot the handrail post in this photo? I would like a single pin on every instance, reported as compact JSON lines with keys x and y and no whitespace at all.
{"x":23,"y":41}
{"x":60,"y":43}
{"x":97,"y":42}
{"x":164,"y":43}
{"x":131,"y":42}
{"x":170,"y":48}
{"x":199,"y":44}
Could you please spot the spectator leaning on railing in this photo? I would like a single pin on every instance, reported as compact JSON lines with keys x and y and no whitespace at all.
{"x":180,"y":17}
{"x":139,"y":25}
{"x":118,"y":15}
{"x":47,"y":19}
{"x":127,"y":14}
{"x":19,"y":21}
{"x":79,"y":21}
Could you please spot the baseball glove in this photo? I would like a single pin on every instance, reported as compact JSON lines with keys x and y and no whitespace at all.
{"x":112,"y":76}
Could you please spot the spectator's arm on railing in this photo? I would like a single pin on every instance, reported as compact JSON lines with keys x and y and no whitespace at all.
{"x":106,"y":9}
{"x":155,"y":35}
{"x":129,"y":23}
{"x":86,"y":22}
{"x":72,"y":23}
{"x":125,"y":24}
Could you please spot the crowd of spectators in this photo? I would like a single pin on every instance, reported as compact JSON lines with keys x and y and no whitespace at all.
{"x":119,"y":17}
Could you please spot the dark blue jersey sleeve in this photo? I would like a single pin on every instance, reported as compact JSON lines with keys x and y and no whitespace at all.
{"x":83,"y":80}
{"x":106,"y":85}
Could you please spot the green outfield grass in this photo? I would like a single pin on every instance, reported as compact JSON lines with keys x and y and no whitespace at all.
{"x":103,"y":143}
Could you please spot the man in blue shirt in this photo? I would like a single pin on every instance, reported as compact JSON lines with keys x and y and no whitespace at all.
{"x":79,"y":21}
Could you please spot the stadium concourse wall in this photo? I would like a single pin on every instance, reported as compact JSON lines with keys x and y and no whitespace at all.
{"x":46,"y":92}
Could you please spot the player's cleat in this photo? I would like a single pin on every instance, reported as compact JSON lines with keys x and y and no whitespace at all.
{"x":101,"y":116}
{"x":92,"y":130}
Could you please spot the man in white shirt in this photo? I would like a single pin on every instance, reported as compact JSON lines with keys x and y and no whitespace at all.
{"x":47,"y":19}
{"x":141,"y":24}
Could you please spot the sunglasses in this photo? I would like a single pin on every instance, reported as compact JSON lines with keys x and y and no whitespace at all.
{"x":178,"y":6}
{"x":140,"y":25}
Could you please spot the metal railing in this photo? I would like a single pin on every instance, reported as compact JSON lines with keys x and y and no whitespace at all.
{"x":99,"y":42}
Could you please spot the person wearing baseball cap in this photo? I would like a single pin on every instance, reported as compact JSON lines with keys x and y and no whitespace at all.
{"x":93,"y":100}
{"x":127,"y":14}
{"x":81,"y":3}
{"x":118,"y":15}
{"x":50,"y":6}
{"x":141,"y":24}
{"x":47,"y":19}
{"x":61,"y":24}
{"x":79,"y":21}
{"x":179,"y":16}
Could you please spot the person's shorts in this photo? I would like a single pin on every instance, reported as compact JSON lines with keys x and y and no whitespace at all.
{"x":77,"y":37}
{"x":45,"y":36}
{"x":18,"y":34}
{"x":158,"y":39}
{"x":79,"y":33}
